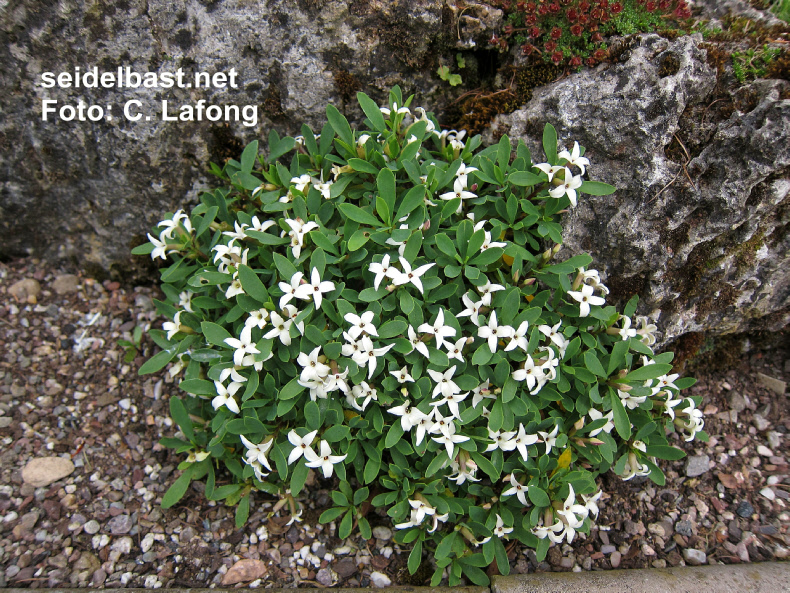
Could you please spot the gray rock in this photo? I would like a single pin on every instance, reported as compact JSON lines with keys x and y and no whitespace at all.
{"x":91,"y":527}
{"x":737,"y":402}
{"x":345,"y":568}
{"x":684,"y":528}
{"x":120,"y":525}
{"x":694,"y":557}
{"x":324,"y":576}
{"x":698,"y":238}
{"x":383,"y":533}
{"x":696,"y":465}
{"x":66,"y":284}
{"x":94,"y":186}
{"x":744,"y":509}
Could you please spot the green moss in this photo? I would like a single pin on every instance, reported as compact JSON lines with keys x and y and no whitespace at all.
{"x":754,"y":62}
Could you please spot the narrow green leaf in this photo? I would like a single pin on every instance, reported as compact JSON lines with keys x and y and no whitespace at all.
{"x":413,"y":199}
{"x":372,"y":111}
{"x":597,"y":188}
{"x":621,"y":421}
{"x":339,"y":124}
{"x":248,"y":156}
{"x":593,"y":364}
{"x":550,"y":144}
{"x":647,"y":372}
{"x":215,"y":334}
{"x":359,"y":215}
{"x":252,"y":285}
{"x":178,"y":489}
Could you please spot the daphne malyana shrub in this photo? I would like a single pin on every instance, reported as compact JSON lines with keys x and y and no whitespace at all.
{"x":387,"y":306}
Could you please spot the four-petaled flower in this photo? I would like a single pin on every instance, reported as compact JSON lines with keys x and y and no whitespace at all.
{"x":567,"y":187}
{"x":315,"y":289}
{"x":586,"y":298}
{"x":500,"y":530}
{"x":518,"y":489}
{"x":325,"y":460}
{"x":382,"y":270}
{"x":243,"y":345}
{"x":410,"y":276}
{"x":301,"y":444}
{"x":439,"y":330}
{"x":574,"y":157}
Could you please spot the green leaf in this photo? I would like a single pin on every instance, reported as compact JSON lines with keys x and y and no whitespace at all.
{"x":181,"y":417}
{"x":619,"y":350}
{"x":647,"y":372}
{"x":339,"y":124}
{"x":358,"y":239}
{"x":482,"y":355}
{"x":593,"y":364}
{"x":284,"y":266}
{"x":178,"y":489}
{"x":597,"y":188}
{"x":392,"y":328}
{"x":291,"y":390}
{"x":385,"y":183}
{"x":415,"y":557}
{"x":501,"y":557}
{"x":359,"y":215}
{"x":252,"y":284}
{"x":298,"y":477}
{"x":372,"y":111}
{"x":312,"y":415}
{"x":215,"y":334}
{"x":157,"y":362}
{"x":413,"y":199}
{"x":248,"y":156}
{"x":524,"y":179}
{"x":371,"y":469}
{"x":331,"y":514}
{"x":243,"y":511}
{"x":621,"y":421}
{"x":538,"y":496}
{"x":550,"y":144}
{"x":664,"y":452}
{"x":362,"y":166}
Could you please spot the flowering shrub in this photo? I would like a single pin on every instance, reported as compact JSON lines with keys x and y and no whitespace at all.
{"x":386,"y":307}
{"x":573,"y":32}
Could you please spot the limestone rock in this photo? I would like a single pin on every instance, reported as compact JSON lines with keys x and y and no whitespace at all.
{"x":83,"y":190}
{"x":244,"y":571}
{"x":25,"y":291}
{"x":700,"y":237}
{"x":66,"y":284}
{"x":43,"y":471}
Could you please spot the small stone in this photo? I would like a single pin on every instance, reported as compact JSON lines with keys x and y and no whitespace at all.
{"x":764,"y":451}
{"x":29,"y":520}
{"x":245,"y":571}
{"x":120,"y":525}
{"x":684,"y":528}
{"x":744,"y":509}
{"x":345,"y":568}
{"x":122,"y":545}
{"x":760,"y":423}
{"x":25,"y":291}
{"x":91,"y":527}
{"x":379,"y":579}
{"x":774,"y":439}
{"x":777,"y":386}
{"x":768,"y":493}
{"x":324,"y":577}
{"x":660,"y":563}
{"x":43,"y":471}
{"x":615,"y":559}
{"x":6,"y":421}
{"x":694,"y":557}
{"x":648,"y":550}
{"x":608,"y":549}
{"x":66,"y":284}
{"x":737,"y":402}
{"x":696,"y":465}
{"x":382,"y":533}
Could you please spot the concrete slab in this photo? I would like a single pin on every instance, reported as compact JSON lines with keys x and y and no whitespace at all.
{"x":768,"y":577}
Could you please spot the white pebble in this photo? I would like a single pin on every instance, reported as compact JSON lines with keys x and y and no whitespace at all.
{"x":379,"y":579}
{"x":100,"y":541}
{"x":147,"y":543}
{"x":764,"y":451}
{"x":768,"y":493}
{"x":12,"y":516}
{"x":92,"y":527}
{"x":386,"y":552}
{"x":125,"y":404}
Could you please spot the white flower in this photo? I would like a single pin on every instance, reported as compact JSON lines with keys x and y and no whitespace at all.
{"x":549,"y":170}
{"x":486,"y":290}
{"x":500,"y":530}
{"x":409,"y":275}
{"x":568,"y":187}
{"x":243,"y":345}
{"x":281,"y":328}
{"x":631,"y":401}
{"x":289,"y":288}
{"x":646,"y":329}
{"x":173,"y":327}
{"x":257,"y":318}
{"x":591,"y":502}
{"x":170,"y":225}
{"x":371,"y":355}
{"x":312,"y":369}
{"x":518,"y":489}
{"x":444,"y":383}
{"x":529,"y":373}
{"x":403,"y":375}
{"x":409,"y":416}
{"x":293,"y":313}
{"x":301,"y":182}
{"x":403,"y":110}
{"x":234,"y":375}
{"x":542,"y":532}
{"x":160,"y":247}
{"x":417,"y":343}
{"x":438,"y":329}
{"x":225,"y":397}
{"x":450,"y":440}
{"x":523,"y":440}
{"x":261,"y":227}
{"x":458,"y":192}
{"x":337,"y":380}
{"x":519,"y":338}
{"x":574,"y":157}
{"x":549,"y":438}
{"x":586,"y":298}
{"x":364,"y":392}
{"x":234,"y":289}
{"x":597,"y":415}
{"x":361,"y":323}
{"x":502,"y":440}
{"x":325,"y":460}
{"x":462,"y":172}
{"x":488,"y":243}
{"x":238,"y":232}
{"x":553,"y":334}
{"x":481,"y":392}
{"x":452,"y":402}
{"x":472,"y":309}
{"x":626,"y":332}
{"x":382,"y":270}
{"x":456,"y":350}
{"x":493,"y":332}
{"x":257,"y":453}
{"x":324,"y":187}
{"x":573,"y":514}
{"x":669,"y":404}
{"x":315,"y":288}
{"x":298,"y":230}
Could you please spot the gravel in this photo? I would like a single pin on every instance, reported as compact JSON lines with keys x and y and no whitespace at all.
{"x":67,"y":392}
